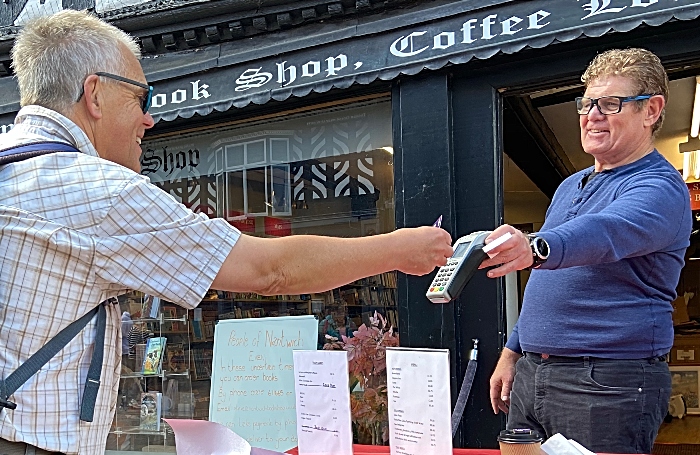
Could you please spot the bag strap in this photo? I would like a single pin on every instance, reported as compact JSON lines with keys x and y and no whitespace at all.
{"x":24,"y":152}
{"x":24,"y":372}
{"x":14,"y":381}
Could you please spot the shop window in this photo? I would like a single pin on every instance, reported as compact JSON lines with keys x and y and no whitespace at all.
{"x":255,"y":187}
{"x":281,"y":189}
{"x":279,"y":150}
{"x":324,"y":173}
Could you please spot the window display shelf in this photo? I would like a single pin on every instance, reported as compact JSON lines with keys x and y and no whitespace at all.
{"x":136,"y":430}
{"x":369,"y":305}
{"x":146,"y":397}
{"x":141,"y":375}
{"x":162,"y":374}
{"x":173,"y":374}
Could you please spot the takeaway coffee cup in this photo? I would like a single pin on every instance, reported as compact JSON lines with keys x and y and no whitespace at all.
{"x":520,"y":441}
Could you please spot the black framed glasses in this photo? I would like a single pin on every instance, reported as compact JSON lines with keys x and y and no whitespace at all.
{"x":606,"y":104}
{"x":145,"y":100}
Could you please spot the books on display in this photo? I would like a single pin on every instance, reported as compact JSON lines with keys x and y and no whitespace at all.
{"x":151,"y":307}
{"x":177,"y":362}
{"x":151,"y":403}
{"x":153,"y":357}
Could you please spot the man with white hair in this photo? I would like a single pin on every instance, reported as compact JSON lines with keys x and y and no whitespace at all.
{"x":79,"y":226}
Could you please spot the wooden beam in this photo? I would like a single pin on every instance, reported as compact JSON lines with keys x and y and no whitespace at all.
{"x":532,"y":145}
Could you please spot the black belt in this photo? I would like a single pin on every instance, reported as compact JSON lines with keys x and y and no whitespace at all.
{"x":659,"y":358}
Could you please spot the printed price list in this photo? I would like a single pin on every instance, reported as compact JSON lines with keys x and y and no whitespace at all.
{"x":419,"y":402}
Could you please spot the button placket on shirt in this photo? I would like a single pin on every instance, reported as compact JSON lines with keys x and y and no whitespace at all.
{"x":583,"y":194}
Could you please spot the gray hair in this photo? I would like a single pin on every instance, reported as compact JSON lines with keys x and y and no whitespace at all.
{"x":53,"y":55}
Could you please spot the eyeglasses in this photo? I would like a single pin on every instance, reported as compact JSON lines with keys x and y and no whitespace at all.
{"x":145,"y":100}
{"x":606,"y":104}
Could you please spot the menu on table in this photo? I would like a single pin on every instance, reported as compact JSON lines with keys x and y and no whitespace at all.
{"x":323,"y":402}
{"x":419,"y":401}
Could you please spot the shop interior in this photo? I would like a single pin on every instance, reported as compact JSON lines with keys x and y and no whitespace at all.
{"x":543,"y":126}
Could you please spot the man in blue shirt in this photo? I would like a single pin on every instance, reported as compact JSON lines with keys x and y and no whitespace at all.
{"x":587,"y":356}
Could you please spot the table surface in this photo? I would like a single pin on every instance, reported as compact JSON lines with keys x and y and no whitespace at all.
{"x":373,"y":450}
{"x":358,"y":449}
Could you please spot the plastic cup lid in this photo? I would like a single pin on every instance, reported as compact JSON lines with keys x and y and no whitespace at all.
{"x":519,"y":436}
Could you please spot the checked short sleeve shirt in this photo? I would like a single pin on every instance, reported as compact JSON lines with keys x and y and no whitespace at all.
{"x":75,"y":230}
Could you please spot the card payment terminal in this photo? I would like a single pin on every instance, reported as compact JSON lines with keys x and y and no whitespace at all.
{"x":460,"y":267}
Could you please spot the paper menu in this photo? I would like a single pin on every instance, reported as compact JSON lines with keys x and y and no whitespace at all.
{"x":322,"y":402}
{"x":419,"y":401}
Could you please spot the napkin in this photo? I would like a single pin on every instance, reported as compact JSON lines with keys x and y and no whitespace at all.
{"x":201,"y":437}
{"x":559,"y":445}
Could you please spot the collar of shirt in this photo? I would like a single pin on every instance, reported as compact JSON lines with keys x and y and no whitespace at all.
{"x":36,"y":123}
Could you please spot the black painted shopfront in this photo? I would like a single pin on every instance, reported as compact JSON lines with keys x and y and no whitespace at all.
{"x":455,"y":77}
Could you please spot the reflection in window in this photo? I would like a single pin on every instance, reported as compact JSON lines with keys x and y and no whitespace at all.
{"x":281,"y":189}
{"x":235,"y":197}
{"x":326,"y":173}
{"x":256,"y":191}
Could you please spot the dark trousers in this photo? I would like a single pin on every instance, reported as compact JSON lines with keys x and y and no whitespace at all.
{"x":613,"y":406}
{"x":21,"y":448}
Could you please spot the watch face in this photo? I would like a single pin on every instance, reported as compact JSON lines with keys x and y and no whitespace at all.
{"x":542,"y":247}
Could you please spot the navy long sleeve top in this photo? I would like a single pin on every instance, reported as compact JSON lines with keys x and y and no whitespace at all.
{"x":617,"y":248}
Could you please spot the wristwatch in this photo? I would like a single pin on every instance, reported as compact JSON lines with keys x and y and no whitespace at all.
{"x":540,"y":250}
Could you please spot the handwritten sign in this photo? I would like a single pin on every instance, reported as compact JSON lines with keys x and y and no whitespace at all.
{"x":252,"y":381}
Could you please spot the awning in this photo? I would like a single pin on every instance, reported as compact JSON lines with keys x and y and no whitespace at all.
{"x":375,"y":50}
{"x":324,"y":56}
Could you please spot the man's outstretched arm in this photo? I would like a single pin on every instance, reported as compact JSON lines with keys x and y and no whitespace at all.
{"x":301,"y":264}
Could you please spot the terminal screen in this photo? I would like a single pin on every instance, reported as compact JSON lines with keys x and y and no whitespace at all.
{"x":460,"y":250}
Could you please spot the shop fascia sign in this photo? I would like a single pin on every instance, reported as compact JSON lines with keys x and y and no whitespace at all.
{"x":458,"y":37}
{"x":365,"y":54}
{"x":287,"y":73}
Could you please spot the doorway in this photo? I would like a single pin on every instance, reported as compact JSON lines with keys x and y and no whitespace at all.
{"x":541,"y":148}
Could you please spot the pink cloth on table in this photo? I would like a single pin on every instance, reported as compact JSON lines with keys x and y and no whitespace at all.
{"x":375,"y":450}
{"x":201,"y":437}
{"x":358,"y":449}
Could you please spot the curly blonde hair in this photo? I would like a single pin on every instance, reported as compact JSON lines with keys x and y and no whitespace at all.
{"x":640,"y":66}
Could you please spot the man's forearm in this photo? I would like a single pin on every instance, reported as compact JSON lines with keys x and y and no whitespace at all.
{"x":304,"y":264}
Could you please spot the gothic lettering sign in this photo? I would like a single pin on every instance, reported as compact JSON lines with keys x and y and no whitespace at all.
{"x":455,"y":39}
{"x":460,"y":35}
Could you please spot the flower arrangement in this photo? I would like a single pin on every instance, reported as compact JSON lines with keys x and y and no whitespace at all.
{"x":368,"y":381}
